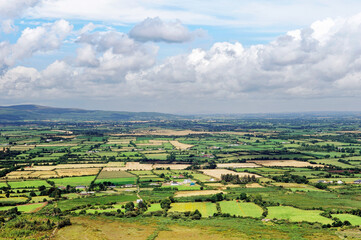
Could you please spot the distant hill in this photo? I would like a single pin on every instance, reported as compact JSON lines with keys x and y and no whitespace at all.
{"x":36,"y":112}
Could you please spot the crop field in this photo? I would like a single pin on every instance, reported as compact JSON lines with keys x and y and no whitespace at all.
{"x":237,"y":165}
{"x":196,"y":193}
{"x":141,"y":173}
{"x":180,"y":146}
{"x":242,"y":209}
{"x":171,"y":166}
{"x":202,"y":177}
{"x":114,"y":174}
{"x":217,"y":173}
{"x":297,"y":215}
{"x":285,"y":163}
{"x":73,"y":172}
{"x":205,"y":208}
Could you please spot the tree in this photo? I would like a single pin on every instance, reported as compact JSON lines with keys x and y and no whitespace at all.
{"x":129,"y":206}
{"x":171,"y":157}
{"x":196,"y":215}
{"x":165,"y":203}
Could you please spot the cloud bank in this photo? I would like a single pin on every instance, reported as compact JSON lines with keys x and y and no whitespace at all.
{"x":322,"y":61}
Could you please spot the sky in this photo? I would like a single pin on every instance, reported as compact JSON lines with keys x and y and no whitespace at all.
{"x":183,"y":57}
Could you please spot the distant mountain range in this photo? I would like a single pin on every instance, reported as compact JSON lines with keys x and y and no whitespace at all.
{"x":36,"y":112}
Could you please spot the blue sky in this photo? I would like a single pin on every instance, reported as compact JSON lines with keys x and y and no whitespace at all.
{"x":182,"y":56}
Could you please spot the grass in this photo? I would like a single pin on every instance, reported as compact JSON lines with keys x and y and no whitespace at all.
{"x":297,"y":215}
{"x":73,"y":181}
{"x":118,"y":181}
{"x":27,"y":208}
{"x":354,"y":220}
{"x":28,"y":184}
{"x":242,"y":209}
{"x":154,"y":207}
{"x":205,"y":208}
{"x":72,"y":203}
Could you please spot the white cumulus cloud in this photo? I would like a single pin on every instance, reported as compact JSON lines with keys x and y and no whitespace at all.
{"x":156,"y":30}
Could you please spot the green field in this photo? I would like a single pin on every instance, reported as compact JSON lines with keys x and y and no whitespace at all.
{"x":242,"y":209}
{"x":73,"y":181}
{"x":24,"y":208}
{"x":354,"y":220}
{"x":118,"y":181}
{"x":28,"y":184}
{"x":296,"y":215}
{"x":71,"y":203}
{"x":205,"y":208}
{"x":154,"y":207}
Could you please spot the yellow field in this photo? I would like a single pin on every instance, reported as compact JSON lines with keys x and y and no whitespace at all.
{"x":171,"y":166}
{"x":180,"y":146}
{"x":285,"y":163}
{"x":196,"y":193}
{"x":217,"y":173}
{"x":254,"y":185}
{"x":22,"y":147}
{"x":237,"y":165}
{"x":30,"y":174}
{"x":73,"y":172}
{"x":153,"y":143}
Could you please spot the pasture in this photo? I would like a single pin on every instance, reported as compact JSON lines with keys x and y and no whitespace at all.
{"x":205,"y":208}
{"x":242,"y":209}
{"x":297,"y":215}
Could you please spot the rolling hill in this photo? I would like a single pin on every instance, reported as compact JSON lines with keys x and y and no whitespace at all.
{"x":36,"y":112}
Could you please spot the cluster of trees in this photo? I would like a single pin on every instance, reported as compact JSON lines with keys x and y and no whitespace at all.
{"x":287,"y":178}
{"x":230,"y":178}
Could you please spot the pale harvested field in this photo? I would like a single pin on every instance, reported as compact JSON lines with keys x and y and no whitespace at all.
{"x":152,"y":143}
{"x":217,"y":173}
{"x":137,"y":166}
{"x":40,"y":168}
{"x":237,"y":165}
{"x":196,"y":193}
{"x":180,"y":146}
{"x":110,"y":169}
{"x":286,"y":163}
{"x":73,"y":172}
{"x":171,"y":166}
{"x":22,"y":147}
{"x":64,"y":166}
{"x":254,"y":185}
{"x":31,"y":174}
{"x":87,"y":165}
